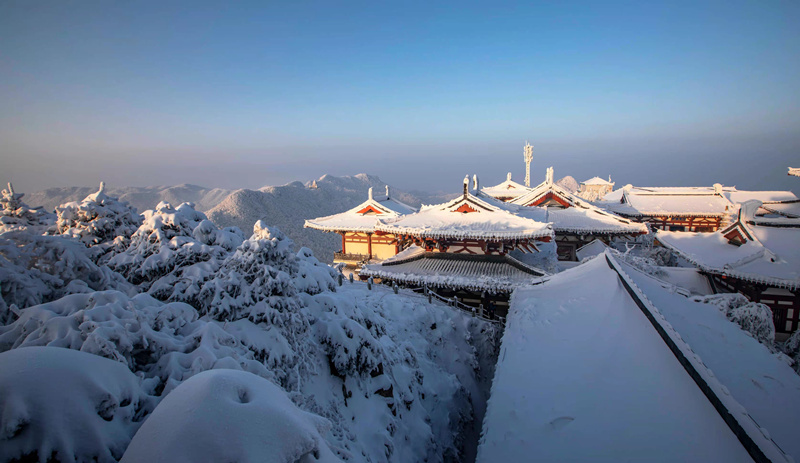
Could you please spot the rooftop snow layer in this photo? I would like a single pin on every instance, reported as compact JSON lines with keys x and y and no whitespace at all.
{"x":356,"y":219}
{"x":487,"y":220}
{"x":506,"y":189}
{"x":597,"y":181}
{"x":583,"y":376}
{"x":761,"y":382}
{"x":774,"y":258}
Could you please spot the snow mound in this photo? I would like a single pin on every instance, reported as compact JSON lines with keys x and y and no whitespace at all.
{"x":227,"y":415}
{"x":64,"y":405}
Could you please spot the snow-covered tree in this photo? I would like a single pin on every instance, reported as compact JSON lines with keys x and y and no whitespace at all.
{"x":36,"y":269}
{"x":98,"y":220}
{"x":792,"y":348}
{"x":753,"y":317}
{"x":174,"y":252}
{"x":261,"y":278}
{"x":16,"y":215}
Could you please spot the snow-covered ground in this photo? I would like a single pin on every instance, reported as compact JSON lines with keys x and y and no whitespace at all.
{"x":583,"y":376}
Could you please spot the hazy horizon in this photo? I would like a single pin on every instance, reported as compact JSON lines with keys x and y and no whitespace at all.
{"x":247,"y":95}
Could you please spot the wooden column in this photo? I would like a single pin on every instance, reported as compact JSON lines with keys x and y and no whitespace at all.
{"x":369,"y":245}
{"x":344,"y":251}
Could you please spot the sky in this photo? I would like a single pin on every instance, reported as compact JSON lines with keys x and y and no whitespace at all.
{"x":247,"y":94}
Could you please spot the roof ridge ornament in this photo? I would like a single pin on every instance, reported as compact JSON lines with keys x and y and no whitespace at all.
{"x":718,"y":189}
{"x":549,"y":176}
{"x":369,"y":194}
{"x":387,"y":191}
{"x":466,"y":185}
{"x":475,"y":184}
{"x":508,"y":177}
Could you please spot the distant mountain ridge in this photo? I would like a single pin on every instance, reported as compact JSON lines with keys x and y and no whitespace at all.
{"x":288,"y":206}
{"x":142,"y":198}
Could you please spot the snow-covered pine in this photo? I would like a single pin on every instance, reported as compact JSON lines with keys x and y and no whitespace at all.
{"x":753,"y":317}
{"x":16,"y":215}
{"x":98,"y":220}
{"x":36,"y":269}
{"x":164,"y":343}
{"x":792,"y":348}
{"x":174,"y":252}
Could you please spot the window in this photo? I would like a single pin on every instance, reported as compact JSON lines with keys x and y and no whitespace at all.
{"x":677,"y":228}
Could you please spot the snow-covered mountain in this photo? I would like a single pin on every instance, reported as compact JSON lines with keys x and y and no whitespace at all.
{"x":288,"y":206}
{"x":142,"y":198}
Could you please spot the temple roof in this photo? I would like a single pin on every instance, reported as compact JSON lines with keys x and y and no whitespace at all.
{"x":438,"y":269}
{"x":362,"y":217}
{"x":769,"y":255}
{"x":573,"y":215}
{"x":597,"y":181}
{"x":794,"y":171}
{"x":473,"y":215}
{"x":507,"y":189}
{"x":670,"y":201}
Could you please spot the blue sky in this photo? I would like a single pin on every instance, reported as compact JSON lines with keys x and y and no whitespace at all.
{"x":249,"y":94}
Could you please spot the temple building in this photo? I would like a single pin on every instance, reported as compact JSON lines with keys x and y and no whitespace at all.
{"x":462,"y":248}
{"x":595,"y":188}
{"x":361,"y":242}
{"x":575,"y":222}
{"x":690,"y":209}
{"x":756,"y":255}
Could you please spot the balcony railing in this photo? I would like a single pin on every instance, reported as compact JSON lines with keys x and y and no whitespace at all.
{"x":347,"y":257}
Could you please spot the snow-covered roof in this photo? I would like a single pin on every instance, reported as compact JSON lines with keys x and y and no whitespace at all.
{"x":471,"y":216}
{"x":439,"y":269}
{"x":506,"y":189}
{"x":795,"y":171}
{"x":670,"y":201}
{"x":364,"y":216}
{"x":577,"y":215}
{"x":756,"y":378}
{"x":785,"y":208}
{"x":740,"y":196}
{"x":597,"y":181}
{"x":583,"y":376}
{"x":770,"y":255}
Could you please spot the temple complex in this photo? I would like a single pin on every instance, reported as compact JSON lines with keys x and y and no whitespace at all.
{"x":575,"y":222}
{"x":462,"y":248}
{"x":756,"y":255}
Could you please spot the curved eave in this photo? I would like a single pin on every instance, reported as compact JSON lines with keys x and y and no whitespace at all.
{"x":671,"y":214}
{"x":436,"y":281}
{"x":325,"y":228}
{"x":434,"y":234}
{"x":600,"y":231}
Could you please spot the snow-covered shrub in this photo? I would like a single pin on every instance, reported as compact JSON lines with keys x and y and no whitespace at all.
{"x":166,"y":343}
{"x":792,"y":348}
{"x":226,"y":415}
{"x":753,"y":317}
{"x":641,"y":262}
{"x":16,"y":215}
{"x":62,"y":405}
{"x":36,"y":269}
{"x":98,"y":220}
{"x":174,"y":252}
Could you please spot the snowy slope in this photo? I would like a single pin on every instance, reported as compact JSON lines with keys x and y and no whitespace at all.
{"x":583,"y":376}
{"x":288,"y":206}
{"x":142,"y":198}
{"x":760,"y":381}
